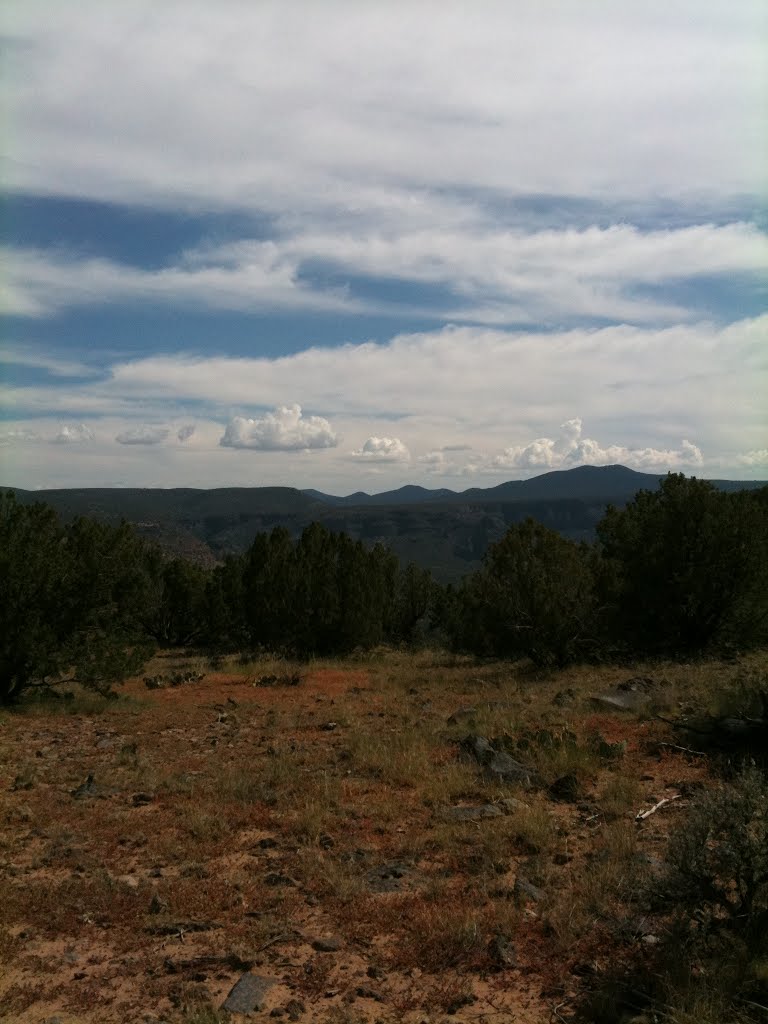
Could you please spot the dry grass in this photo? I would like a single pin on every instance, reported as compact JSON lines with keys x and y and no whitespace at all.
{"x":271,"y":815}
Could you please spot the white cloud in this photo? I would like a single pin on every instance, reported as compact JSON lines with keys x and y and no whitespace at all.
{"x":571,"y":449}
{"x":146,"y":434}
{"x":383,"y":449}
{"x":755,"y":459}
{"x":482,"y":386}
{"x":284,"y":430}
{"x":18,"y":435}
{"x":42,"y":283}
{"x":331,"y":105}
{"x":37,"y":358}
{"x":461,"y":387}
{"x":184,"y":433}
{"x":490,"y":275}
{"x":73,"y":433}
{"x":452,"y":461}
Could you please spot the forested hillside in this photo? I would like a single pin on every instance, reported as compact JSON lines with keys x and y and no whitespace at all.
{"x":678,"y":571}
{"x":445,"y":532}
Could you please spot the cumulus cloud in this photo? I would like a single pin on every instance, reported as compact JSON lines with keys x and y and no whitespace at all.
{"x":572,"y":449}
{"x":184,"y":433}
{"x":757,"y":458}
{"x":143,"y":435}
{"x":286,"y":429}
{"x":18,"y":435}
{"x":383,"y":449}
{"x":73,"y":433}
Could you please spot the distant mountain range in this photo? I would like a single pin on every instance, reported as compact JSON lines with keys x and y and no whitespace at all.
{"x":445,"y":531}
{"x":585,"y":483}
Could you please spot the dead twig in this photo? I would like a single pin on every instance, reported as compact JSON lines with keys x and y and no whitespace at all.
{"x":642,"y":815}
{"x":282,"y":937}
{"x":685,"y":750}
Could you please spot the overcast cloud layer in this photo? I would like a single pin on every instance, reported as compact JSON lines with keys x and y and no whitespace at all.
{"x":362,"y":244}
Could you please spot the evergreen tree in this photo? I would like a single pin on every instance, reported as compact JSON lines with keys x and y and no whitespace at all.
{"x":533,"y":597}
{"x":69,"y":601}
{"x":687,"y":567}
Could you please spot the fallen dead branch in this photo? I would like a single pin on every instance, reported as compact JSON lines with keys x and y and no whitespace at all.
{"x":642,"y":815}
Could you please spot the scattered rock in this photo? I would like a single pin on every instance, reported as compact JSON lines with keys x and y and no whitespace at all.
{"x":175,"y":679}
{"x":629,"y":695}
{"x":248,"y":994}
{"x":180,"y":927}
{"x":278,"y":879}
{"x":472,"y":813}
{"x":387,"y":877}
{"x":141,"y":799}
{"x":497,"y":764}
{"x":637,"y":684}
{"x":369,"y":993}
{"x":462,"y":715}
{"x":608,"y":751}
{"x":85,"y":790}
{"x":295,"y":1008}
{"x":291,"y":679}
{"x":620,"y":701}
{"x":267,"y":843}
{"x":467,"y":715}
{"x":511,"y":805}
{"x":564,"y":698}
{"x":329,"y":726}
{"x":566,"y":788}
{"x":375,"y":972}
{"x":157,"y":906}
{"x":528,"y":890}
{"x":332,"y":944}
{"x":502,"y":952}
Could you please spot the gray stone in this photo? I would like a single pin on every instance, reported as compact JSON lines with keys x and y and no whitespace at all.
{"x":467,"y":715}
{"x":278,"y":879}
{"x":502,"y":952}
{"x":462,"y":715}
{"x":497,"y":764}
{"x":620,"y":701}
{"x":629,"y":695}
{"x":248,"y":994}
{"x":387,"y":877}
{"x":566,"y":788}
{"x":528,"y":890}
{"x":156,"y":905}
{"x":564,"y":698}
{"x":369,"y":993}
{"x":472,"y":813}
{"x":511,"y":805}
{"x":86,"y":789}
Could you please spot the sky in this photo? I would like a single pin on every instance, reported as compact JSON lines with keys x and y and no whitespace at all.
{"x":353,"y":245}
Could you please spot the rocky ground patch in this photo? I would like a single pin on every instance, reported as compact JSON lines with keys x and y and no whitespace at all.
{"x":409,"y":838}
